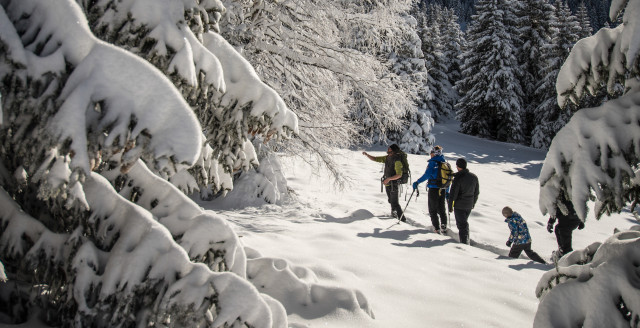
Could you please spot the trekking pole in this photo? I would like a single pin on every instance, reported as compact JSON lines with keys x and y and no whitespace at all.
{"x":447,"y":209}
{"x":405,"y":207}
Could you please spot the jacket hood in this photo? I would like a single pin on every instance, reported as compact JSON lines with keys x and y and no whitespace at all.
{"x":437,"y":158}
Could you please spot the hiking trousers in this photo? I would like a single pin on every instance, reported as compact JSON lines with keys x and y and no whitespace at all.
{"x":516,"y":250}
{"x":462,"y":222}
{"x":393,"y":192}
{"x":436,"y":199}
{"x":563,"y":231}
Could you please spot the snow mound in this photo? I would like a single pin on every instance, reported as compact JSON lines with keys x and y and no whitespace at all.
{"x":298,"y":290}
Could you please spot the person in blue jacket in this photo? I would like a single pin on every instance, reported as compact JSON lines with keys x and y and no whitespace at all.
{"x":435,"y":195}
{"x":519,"y":239}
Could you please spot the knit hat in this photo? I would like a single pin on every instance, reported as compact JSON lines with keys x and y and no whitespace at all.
{"x":395,"y":148}
{"x":461,"y":163}
{"x":436,"y":151}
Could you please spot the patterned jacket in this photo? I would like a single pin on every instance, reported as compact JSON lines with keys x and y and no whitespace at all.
{"x":519,"y":230}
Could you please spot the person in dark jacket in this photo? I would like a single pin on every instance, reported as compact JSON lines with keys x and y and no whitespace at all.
{"x":519,"y":239}
{"x":435,"y":195}
{"x":463,"y":196}
{"x":568,"y":221}
{"x":392,"y":172}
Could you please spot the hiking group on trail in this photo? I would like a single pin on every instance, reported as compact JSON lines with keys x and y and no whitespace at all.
{"x":459,"y":191}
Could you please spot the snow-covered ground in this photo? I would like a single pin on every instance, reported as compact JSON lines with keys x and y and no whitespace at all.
{"x":408,"y":275}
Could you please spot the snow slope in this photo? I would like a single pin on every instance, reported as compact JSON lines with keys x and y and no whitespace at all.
{"x":407,"y":275}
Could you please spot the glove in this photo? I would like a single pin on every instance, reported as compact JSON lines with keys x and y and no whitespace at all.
{"x":580,"y":226}
{"x":550,"y":225}
{"x":508,"y":243}
{"x":450,"y":209}
{"x":415,"y":185}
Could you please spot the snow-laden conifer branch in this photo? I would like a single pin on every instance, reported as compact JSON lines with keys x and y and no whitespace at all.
{"x":204,"y":236}
{"x":610,"y":56}
{"x":135,"y":271}
{"x":93,"y":115}
{"x":221,"y":87}
{"x":598,"y":150}
{"x":20,"y":232}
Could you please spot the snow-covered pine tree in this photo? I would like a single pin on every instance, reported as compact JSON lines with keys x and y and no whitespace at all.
{"x":584,"y":21}
{"x":75,"y":107}
{"x":491,"y":99}
{"x":534,"y":34}
{"x":597,"y":152}
{"x":549,"y":116}
{"x":453,"y":43}
{"x":414,"y":135}
{"x":596,"y":157}
{"x":463,"y":9}
{"x":433,"y":50}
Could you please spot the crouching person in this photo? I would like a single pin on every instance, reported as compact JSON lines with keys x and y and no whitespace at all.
{"x":520,"y":239}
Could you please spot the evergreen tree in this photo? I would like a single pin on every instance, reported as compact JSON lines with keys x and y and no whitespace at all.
{"x":438,"y":82}
{"x":583,"y":20}
{"x":93,"y":234}
{"x":598,"y":144}
{"x":549,"y":116}
{"x":462,"y":9}
{"x":596,"y":157}
{"x":453,"y":43}
{"x":414,"y":135}
{"x":534,"y":33}
{"x":491,"y":99}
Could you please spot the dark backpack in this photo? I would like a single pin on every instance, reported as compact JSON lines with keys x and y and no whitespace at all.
{"x":405,"y":168}
{"x":445,"y":175}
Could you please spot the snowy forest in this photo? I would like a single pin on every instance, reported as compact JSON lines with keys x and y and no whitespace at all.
{"x":116,"y":115}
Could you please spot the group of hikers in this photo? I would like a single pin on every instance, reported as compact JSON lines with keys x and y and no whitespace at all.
{"x":459,"y":192}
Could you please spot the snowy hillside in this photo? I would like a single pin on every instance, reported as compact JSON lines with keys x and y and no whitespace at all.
{"x":405,"y":275}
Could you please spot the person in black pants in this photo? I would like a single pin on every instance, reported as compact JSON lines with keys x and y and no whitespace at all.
{"x":568,"y":221}
{"x":519,"y":238}
{"x":436,"y":195}
{"x":392,"y":172}
{"x":463,"y":196}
